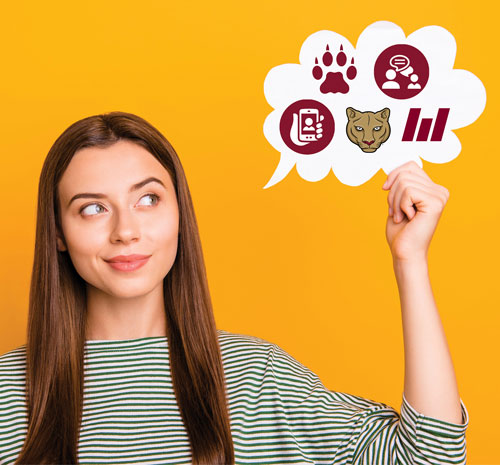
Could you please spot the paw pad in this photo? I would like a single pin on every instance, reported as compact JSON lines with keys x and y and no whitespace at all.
{"x":334,"y":81}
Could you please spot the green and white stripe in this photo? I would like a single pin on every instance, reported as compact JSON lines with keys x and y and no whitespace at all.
{"x":280,"y":411}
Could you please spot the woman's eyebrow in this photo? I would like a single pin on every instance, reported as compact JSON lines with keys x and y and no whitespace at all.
{"x":88,"y":195}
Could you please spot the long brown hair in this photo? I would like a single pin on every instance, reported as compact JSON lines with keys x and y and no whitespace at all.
{"x":57,"y":312}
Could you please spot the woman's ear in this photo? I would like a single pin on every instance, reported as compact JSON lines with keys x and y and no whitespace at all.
{"x":61,"y":245}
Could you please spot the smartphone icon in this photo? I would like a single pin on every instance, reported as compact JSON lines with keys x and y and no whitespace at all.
{"x":308,"y":117}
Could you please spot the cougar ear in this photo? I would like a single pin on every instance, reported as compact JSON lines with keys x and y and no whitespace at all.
{"x":351,"y":112}
{"x":385,"y":113}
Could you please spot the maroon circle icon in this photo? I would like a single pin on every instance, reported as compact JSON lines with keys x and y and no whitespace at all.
{"x":307,"y":126}
{"x":401,"y":71}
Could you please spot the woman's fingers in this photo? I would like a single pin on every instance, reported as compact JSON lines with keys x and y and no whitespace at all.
{"x":402,"y":182}
{"x":409,"y":195}
{"x":409,"y":167}
{"x":405,"y":184}
{"x":412,"y":195}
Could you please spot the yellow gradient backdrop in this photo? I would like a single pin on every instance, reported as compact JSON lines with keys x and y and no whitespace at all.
{"x":304,"y":265}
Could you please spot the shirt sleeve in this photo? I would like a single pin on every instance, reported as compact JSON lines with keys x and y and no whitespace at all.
{"x":340,"y":428}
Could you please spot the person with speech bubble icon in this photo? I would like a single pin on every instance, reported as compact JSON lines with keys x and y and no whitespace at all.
{"x":124,"y":362}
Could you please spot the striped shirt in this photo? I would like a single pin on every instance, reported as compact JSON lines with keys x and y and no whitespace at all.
{"x":279,"y":410}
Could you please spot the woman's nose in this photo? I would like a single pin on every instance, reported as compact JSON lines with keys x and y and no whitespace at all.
{"x":126,"y":227}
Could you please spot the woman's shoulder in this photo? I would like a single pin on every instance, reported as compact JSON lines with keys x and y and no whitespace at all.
{"x":243,"y":344}
{"x":243,"y":352}
{"x":13,"y":359}
{"x":12,"y":367}
{"x":12,"y":392}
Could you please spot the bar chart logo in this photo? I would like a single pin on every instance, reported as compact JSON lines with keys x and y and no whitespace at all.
{"x":425,"y":126}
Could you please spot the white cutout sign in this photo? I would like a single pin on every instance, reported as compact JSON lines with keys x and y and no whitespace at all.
{"x":390,"y":100}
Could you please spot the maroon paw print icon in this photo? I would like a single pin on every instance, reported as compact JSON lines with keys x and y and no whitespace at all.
{"x":335,"y":81}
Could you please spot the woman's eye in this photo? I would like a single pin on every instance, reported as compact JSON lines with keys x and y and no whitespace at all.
{"x":94,"y":206}
{"x":154,"y":196}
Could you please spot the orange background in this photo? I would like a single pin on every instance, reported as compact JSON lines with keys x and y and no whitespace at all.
{"x":301,"y":264}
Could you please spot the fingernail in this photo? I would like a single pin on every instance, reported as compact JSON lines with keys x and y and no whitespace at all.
{"x":390,"y":211}
{"x":385,"y":185}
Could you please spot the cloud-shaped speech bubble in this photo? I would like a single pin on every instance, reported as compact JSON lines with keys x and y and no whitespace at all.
{"x":390,"y":100}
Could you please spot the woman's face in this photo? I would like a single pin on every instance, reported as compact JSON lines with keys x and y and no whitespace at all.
{"x":116,"y":212}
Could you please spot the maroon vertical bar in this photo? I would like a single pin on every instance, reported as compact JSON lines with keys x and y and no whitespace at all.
{"x":423,"y":131}
{"x":411,"y":124}
{"x":441,"y":118}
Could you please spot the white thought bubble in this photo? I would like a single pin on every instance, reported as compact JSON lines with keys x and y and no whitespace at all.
{"x":354,"y":111}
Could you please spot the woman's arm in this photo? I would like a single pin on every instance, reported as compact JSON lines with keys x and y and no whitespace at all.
{"x":430,"y":384}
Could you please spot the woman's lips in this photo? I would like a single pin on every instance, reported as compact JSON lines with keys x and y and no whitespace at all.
{"x":127,"y":258}
{"x":128,"y":265}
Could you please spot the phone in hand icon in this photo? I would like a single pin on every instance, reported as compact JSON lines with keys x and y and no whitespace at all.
{"x":308,"y":117}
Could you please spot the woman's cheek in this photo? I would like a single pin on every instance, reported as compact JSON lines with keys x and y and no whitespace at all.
{"x":164,"y":239}
{"x":85,"y":246}
{"x":164,"y":225}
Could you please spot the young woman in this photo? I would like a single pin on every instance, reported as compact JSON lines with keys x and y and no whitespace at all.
{"x":123,"y":361}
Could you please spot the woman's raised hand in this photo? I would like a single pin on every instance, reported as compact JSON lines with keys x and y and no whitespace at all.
{"x":415,"y":206}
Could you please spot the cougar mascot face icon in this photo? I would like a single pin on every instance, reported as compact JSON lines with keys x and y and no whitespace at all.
{"x":367,"y":129}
